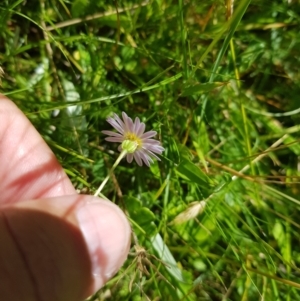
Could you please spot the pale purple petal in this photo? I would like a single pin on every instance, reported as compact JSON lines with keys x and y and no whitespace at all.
{"x":151,"y":141}
{"x":130,"y":125}
{"x":136,"y":130}
{"x":115,"y":125}
{"x":150,"y":154}
{"x":153,"y":148}
{"x":114,"y":139}
{"x":141,"y":129}
{"x":147,"y":159}
{"x":137,"y":158}
{"x":128,"y":122}
{"x":129,"y":158}
{"x":148,"y":134}
{"x":119,"y":120}
{"x":136,"y":124}
{"x":110,"y":133}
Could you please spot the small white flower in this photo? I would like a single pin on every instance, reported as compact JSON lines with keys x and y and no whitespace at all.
{"x":145,"y":147}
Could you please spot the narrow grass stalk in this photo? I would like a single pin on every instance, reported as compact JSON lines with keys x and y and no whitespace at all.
{"x":183,"y":41}
{"x":232,"y":24}
{"x":121,"y":156}
{"x":242,"y":108}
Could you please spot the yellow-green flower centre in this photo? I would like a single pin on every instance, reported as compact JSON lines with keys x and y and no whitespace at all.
{"x":132,"y":137}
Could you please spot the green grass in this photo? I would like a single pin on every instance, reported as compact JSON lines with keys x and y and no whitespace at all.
{"x":221,"y":90}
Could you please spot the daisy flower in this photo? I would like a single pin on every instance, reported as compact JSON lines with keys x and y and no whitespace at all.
{"x":134,"y":140}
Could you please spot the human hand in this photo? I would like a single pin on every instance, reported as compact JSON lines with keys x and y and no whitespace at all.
{"x":54,"y":244}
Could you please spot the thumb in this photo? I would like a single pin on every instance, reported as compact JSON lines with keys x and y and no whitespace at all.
{"x":63,"y":248}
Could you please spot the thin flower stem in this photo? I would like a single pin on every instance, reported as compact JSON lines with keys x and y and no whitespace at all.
{"x":121,"y":156}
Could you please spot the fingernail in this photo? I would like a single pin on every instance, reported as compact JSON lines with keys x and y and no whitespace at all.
{"x":107,"y":235}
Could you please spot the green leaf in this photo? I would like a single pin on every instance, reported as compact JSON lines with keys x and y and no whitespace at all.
{"x":78,"y":7}
{"x":201,"y":88}
{"x":166,"y":256}
{"x":74,"y":120}
{"x":194,"y":174}
{"x":141,"y":215}
{"x":278,"y":233}
{"x":113,"y":21}
{"x":39,"y":72}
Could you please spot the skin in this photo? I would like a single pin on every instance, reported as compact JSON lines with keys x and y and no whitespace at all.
{"x":55,"y":244}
